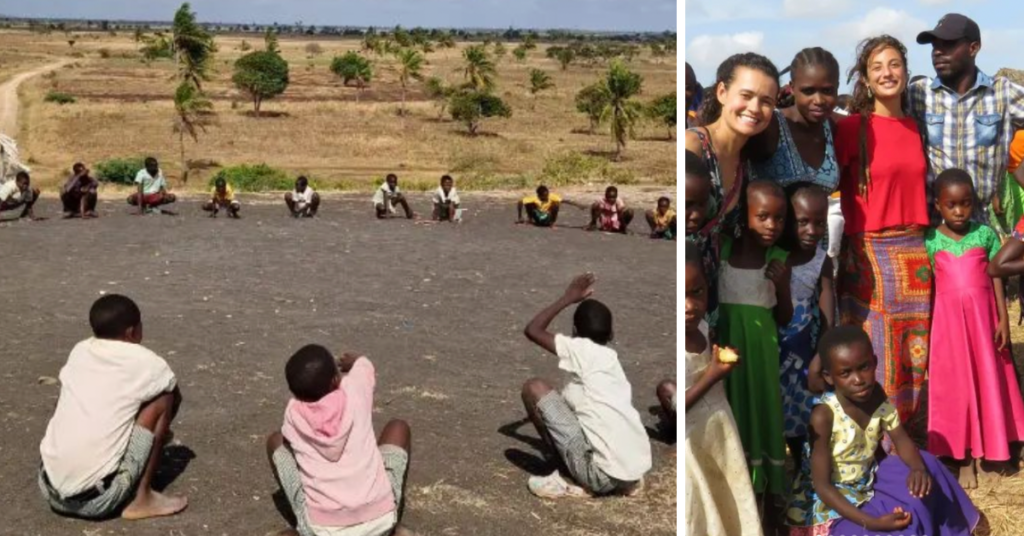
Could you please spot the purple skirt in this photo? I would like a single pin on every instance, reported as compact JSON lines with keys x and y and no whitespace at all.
{"x":946,"y":511}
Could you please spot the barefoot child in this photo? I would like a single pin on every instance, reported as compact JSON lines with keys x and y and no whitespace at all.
{"x":811,"y":289}
{"x":610,"y":213}
{"x":104,"y":442}
{"x":303,"y":202}
{"x":662,"y":220}
{"x":338,"y":477}
{"x":222,"y":197}
{"x":754,"y":299}
{"x":389,"y":195}
{"x":19,"y":194}
{"x":78,"y":195}
{"x":975,"y":410}
{"x":720,"y":501}
{"x":591,"y":428}
{"x":152,"y":189}
{"x":841,"y":485}
{"x":446,"y":200}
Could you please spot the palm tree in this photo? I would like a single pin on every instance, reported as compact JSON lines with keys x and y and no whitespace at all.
{"x":189,"y":103}
{"x":410,"y":63}
{"x":539,"y":81}
{"x":193,"y":52}
{"x":193,"y":47}
{"x":479,"y":70}
{"x":621,"y":111}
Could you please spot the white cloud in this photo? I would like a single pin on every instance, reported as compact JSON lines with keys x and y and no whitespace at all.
{"x":704,"y":11}
{"x":705,"y":52}
{"x":878,"y":21}
{"x":815,"y":9}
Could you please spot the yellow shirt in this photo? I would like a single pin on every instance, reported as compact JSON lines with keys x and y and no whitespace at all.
{"x":229,"y":194}
{"x":553,"y":199}
{"x":663,"y":220}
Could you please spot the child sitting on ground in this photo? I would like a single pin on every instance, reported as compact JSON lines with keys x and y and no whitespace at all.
{"x":338,"y":478}
{"x":389,"y":195}
{"x":79,"y":193}
{"x":303,"y":202}
{"x":222,"y":196}
{"x":841,"y":487}
{"x":446,"y":200}
{"x":591,"y":428}
{"x":662,"y":220}
{"x":103,"y":444}
{"x":542,"y":208}
{"x":19,"y":194}
{"x":152,"y":189}
{"x":610,"y":213}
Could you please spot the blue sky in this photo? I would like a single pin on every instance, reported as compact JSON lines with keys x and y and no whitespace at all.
{"x":624,"y":15}
{"x":778,"y":29}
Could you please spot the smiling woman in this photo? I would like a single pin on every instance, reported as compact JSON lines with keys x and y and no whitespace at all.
{"x":885,"y":280}
{"x":736,"y":108}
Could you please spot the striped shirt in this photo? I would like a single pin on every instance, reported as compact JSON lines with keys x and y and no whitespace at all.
{"x":971,"y":131}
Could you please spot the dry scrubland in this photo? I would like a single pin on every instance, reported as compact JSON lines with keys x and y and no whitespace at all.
{"x":317,"y":126}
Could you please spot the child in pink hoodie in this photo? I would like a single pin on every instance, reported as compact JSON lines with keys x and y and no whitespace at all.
{"x":338,"y":477}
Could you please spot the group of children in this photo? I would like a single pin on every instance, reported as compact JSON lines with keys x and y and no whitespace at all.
{"x":118,"y":399}
{"x":78,"y":196}
{"x":774,"y":368}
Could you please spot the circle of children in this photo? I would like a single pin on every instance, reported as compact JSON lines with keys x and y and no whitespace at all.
{"x":79,"y":195}
{"x":844,"y":251}
{"x":118,"y":399}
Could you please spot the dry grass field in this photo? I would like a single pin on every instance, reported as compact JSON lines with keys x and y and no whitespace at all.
{"x":317,"y":126}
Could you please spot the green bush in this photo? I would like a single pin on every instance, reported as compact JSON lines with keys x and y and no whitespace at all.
{"x":59,"y":98}
{"x":257,"y":178}
{"x":119,"y":170}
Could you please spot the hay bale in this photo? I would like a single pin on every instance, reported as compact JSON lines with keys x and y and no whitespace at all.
{"x":1015,"y":76}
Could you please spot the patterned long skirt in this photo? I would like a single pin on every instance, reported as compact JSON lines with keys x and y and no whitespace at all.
{"x":885,"y":286}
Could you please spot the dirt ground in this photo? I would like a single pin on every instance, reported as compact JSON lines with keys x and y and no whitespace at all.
{"x":438,"y":308}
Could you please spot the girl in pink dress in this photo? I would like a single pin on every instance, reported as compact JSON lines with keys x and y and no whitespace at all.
{"x":975,"y":409}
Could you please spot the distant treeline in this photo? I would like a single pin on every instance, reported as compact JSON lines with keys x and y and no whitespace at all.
{"x":298,"y":29}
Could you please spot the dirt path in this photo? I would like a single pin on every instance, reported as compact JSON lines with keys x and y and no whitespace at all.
{"x":9,"y":96}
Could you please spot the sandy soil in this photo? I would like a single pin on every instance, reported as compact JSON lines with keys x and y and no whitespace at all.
{"x":439,"y":309}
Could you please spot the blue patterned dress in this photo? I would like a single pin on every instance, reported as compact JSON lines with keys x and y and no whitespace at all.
{"x":797,"y":344}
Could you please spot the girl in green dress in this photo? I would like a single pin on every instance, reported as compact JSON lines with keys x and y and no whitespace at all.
{"x":754,"y":298}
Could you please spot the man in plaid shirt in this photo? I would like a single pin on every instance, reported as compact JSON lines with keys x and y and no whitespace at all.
{"x":966,"y":117}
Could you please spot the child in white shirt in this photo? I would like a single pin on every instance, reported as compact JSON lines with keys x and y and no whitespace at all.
{"x":591,"y":425}
{"x":446,"y":200}
{"x":103,"y":444}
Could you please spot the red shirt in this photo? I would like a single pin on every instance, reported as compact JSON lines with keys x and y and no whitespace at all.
{"x":896,"y":194}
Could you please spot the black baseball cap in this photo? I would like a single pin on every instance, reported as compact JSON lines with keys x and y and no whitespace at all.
{"x":951,"y":27}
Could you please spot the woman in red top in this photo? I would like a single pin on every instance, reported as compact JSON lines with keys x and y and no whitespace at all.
{"x":885,"y":284}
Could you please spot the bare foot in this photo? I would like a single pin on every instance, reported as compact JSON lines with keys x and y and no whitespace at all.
{"x":968,"y":475}
{"x":402,"y":531}
{"x":153,"y":504}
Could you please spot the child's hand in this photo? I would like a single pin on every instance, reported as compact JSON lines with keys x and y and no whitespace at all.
{"x":897,"y":520}
{"x":581,"y":288}
{"x":719,"y":369}
{"x":919,"y":483}
{"x":1003,"y":335}
{"x":778,"y":272}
